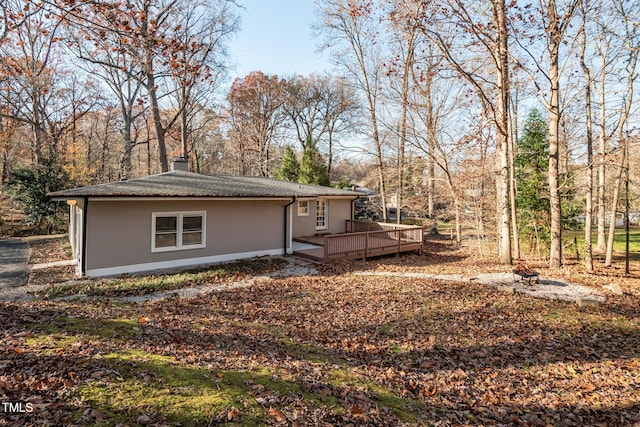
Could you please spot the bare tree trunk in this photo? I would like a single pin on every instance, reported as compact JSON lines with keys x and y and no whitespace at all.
{"x":431,"y":187}
{"x":403,"y":128}
{"x":125,"y":163}
{"x":458,"y":224}
{"x":184,"y":133}
{"x":623,"y":141}
{"x":513,"y":132}
{"x":614,"y":210}
{"x":157,"y":121}
{"x":502,"y":122}
{"x":555,"y":38}
{"x":601,"y":245}
{"x":588,"y":250}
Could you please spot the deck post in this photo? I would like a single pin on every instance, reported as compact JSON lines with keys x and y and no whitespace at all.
{"x":366,"y":246}
{"x":326,"y":248}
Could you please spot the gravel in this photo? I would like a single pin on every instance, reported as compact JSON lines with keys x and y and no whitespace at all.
{"x":545,"y":287}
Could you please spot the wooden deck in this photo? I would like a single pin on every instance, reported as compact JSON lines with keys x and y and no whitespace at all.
{"x":362,"y":240}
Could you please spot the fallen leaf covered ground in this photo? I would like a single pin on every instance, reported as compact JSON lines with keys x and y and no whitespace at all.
{"x":332,"y":349}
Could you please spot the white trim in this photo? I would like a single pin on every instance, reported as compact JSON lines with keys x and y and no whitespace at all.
{"x":179,"y":231}
{"x":289,"y":249}
{"x":325,"y":216}
{"x":178,"y":263}
{"x":304,"y":213}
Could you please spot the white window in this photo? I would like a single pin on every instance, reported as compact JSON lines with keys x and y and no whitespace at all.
{"x":303,"y":208}
{"x":321,"y":214}
{"x":177,"y":230}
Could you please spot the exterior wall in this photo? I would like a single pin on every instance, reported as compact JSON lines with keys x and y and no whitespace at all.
{"x":120,"y":232}
{"x":339,"y":210}
{"x":339,"y":213}
{"x":304,"y":225}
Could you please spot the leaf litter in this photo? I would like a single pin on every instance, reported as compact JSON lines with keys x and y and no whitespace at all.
{"x":334,"y":349}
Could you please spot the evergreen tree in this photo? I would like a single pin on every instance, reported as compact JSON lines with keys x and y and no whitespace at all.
{"x":29,"y":187}
{"x":532,"y":164}
{"x":290,"y":167}
{"x":313,"y":169}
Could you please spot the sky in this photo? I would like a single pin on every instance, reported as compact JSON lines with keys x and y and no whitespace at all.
{"x":275,"y":37}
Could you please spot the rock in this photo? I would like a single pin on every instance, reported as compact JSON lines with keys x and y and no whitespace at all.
{"x":507,"y":289}
{"x":144,"y":419}
{"x":583,"y":301}
{"x":614,"y":288}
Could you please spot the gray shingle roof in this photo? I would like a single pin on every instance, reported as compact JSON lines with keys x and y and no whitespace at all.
{"x":186,"y":184}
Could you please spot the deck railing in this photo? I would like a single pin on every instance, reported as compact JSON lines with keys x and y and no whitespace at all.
{"x":355,"y":226}
{"x":364,"y":239}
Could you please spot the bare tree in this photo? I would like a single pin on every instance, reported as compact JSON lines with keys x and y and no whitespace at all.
{"x":103,"y":54}
{"x":631,"y":35}
{"x":350,"y":30}
{"x":555,"y":24}
{"x":482,"y":26}
{"x":256,"y":119}
{"x":320,"y":108}
{"x":588,"y":250}
{"x":167,"y":44}
{"x":13,"y":14}
{"x":429,"y":106}
{"x":197,"y":62}
{"x":38,"y":89}
{"x":404,"y":19}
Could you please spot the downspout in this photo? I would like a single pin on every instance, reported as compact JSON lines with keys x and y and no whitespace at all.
{"x":286,"y":224}
{"x":85,"y":208}
{"x":349,"y":226}
{"x":353,"y":202}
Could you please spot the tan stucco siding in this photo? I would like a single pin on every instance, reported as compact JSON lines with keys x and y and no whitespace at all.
{"x":304,"y":225}
{"x":339,"y":210}
{"x":120,"y":232}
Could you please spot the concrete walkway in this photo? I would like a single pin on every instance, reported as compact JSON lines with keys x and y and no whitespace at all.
{"x":14,"y":259}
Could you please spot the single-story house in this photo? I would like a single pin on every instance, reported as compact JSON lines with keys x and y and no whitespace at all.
{"x":180,"y":219}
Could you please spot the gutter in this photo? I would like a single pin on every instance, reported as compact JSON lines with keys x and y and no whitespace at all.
{"x":85,"y":209}
{"x":286,"y":224}
{"x":353,"y":201}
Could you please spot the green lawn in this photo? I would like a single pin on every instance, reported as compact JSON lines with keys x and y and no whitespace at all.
{"x":618,"y":243}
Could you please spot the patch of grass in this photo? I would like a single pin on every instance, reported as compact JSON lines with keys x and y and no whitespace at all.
{"x":142,"y":285}
{"x":50,"y":343}
{"x":171,"y":392}
{"x":51,"y":337}
{"x":156,"y":384}
{"x":619,"y":241}
{"x":405,"y":409}
{"x":98,"y":328}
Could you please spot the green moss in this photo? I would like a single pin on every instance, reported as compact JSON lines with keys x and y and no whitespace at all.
{"x":52,"y":337}
{"x":405,"y":409}
{"x":154,"y":384}
{"x":99,"y":328}
{"x":50,"y":343}
{"x":183,"y":395}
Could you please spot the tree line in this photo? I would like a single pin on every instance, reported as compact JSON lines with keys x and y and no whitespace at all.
{"x":516,"y":116}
